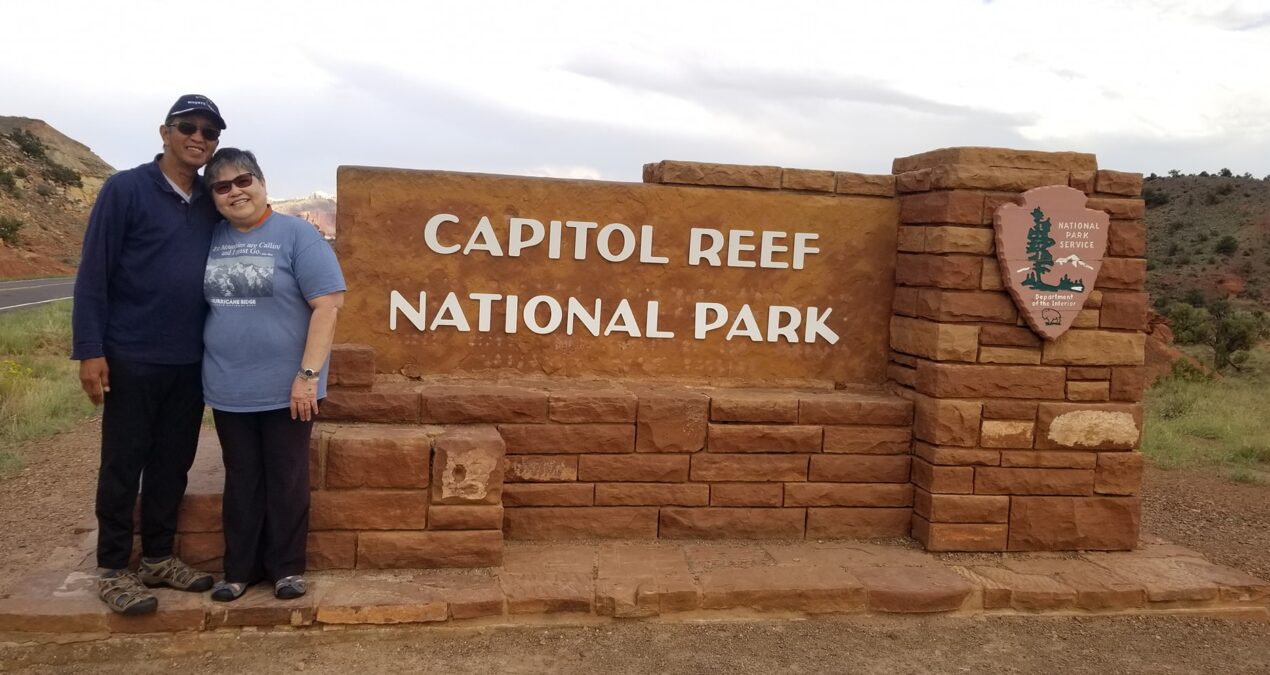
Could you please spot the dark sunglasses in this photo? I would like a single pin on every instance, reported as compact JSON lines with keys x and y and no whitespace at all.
{"x":188,"y":128}
{"x":242,"y":180}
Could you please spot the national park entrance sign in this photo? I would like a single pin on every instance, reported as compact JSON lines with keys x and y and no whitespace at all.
{"x":731,"y":351}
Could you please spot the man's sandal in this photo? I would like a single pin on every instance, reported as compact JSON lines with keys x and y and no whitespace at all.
{"x":124,"y":593}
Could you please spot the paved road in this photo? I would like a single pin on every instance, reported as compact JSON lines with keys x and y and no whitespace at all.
{"x":15,"y":294}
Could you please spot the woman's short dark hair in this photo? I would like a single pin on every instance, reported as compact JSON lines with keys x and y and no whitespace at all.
{"x":243,"y":160}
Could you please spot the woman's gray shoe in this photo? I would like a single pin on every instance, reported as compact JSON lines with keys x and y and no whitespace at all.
{"x":289,"y":588}
{"x":124,"y":593}
{"x":172,"y":572}
{"x":225,"y":591}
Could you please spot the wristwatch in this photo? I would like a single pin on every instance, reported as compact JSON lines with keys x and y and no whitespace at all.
{"x":307,"y":374}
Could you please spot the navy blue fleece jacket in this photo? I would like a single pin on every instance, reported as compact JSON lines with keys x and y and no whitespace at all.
{"x":139,"y":292}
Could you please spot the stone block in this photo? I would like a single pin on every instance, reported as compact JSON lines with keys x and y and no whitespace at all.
{"x":864,"y":184}
{"x":1083,"y":181}
{"x":808,"y":180}
{"x":1095,"y":348}
{"x":849,"y":494}
{"x":947,"y":421}
{"x":1022,"y":356}
{"x":1119,"y":473}
{"x":938,"y":341}
{"x":1086,"y":318}
{"x":1089,"y":391}
{"x":540,"y":468}
{"x":854,"y":409}
{"x":747,"y":494}
{"x":1066,"y":523}
{"x":714,"y":468}
{"x":1126,"y":311}
{"x":468,"y":467}
{"x":904,"y":302}
{"x":1007,"y":434}
{"x":592,"y":406}
{"x":960,"y":536}
{"x":732,"y":523}
{"x":943,"y":455}
{"x":913,"y":181}
{"x":672,"y":422}
{"x":351,"y":366}
{"x":991,"y":480}
{"x":1127,"y":239}
{"x":549,"y":494}
{"x":1088,"y":373}
{"x":722,"y":175}
{"x":1075,"y":162}
{"x":397,"y":550}
{"x":1009,"y":410}
{"x":1008,"y":589}
{"x":949,"y":239}
{"x":368,"y":510}
{"x":1089,"y":426}
{"x":1008,"y":336}
{"x":642,"y":467}
{"x":738,"y":438}
{"x":1004,"y":179}
{"x":911,"y":239}
{"x":990,"y":279}
{"x":804,"y":589}
{"x":913,"y":590}
{"x":331,"y":550}
{"x":902,"y":375}
{"x":389,"y":406}
{"x":1118,"y":183}
{"x":963,"y":272}
{"x":596,"y":522}
{"x":940,"y":508}
{"x":950,"y":380}
{"x":955,"y":207}
{"x":966,"y":306}
{"x":380,"y":602}
{"x":1048,"y":459}
{"x":858,"y":523}
{"x":551,"y":593}
{"x":943,"y":479}
{"x":859,"y":468}
{"x":1129,"y":274}
{"x":868,"y":440}
{"x":1125,"y":209}
{"x":754,"y":407}
{"x":465,"y":517}
{"x":483,"y":404}
{"x":198,"y":513}
{"x":652,"y":494}
{"x":1128,"y":383}
{"x":541,"y":439}
{"x":203,"y":550}
{"x":378,"y":457}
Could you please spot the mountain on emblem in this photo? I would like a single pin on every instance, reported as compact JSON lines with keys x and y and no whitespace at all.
{"x":1050,"y":248}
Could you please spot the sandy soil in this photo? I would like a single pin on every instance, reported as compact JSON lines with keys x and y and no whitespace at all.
{"x":46,"y":509}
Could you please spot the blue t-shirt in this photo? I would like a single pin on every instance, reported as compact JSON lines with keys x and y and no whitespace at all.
{"x":257,"y":286}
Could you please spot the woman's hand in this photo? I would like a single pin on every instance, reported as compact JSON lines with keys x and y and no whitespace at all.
{"x":304,"y":405}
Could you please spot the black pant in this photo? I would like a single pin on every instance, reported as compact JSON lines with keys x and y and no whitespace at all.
{"x":149,"y":431}
{"x":266,"y":510}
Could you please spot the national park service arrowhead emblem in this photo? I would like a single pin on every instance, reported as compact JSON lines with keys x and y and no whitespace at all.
{"x":1050,"y":248}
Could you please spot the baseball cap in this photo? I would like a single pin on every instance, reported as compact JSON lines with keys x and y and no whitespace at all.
{"x":196,"y":103}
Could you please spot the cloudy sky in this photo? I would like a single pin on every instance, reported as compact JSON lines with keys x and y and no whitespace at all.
{"x":594,"y":89}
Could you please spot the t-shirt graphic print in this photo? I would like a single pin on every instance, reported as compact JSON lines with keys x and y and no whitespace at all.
{"x":237,"y":272}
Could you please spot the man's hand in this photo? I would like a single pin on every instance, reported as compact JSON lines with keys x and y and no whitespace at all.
{"x":94,"y":377}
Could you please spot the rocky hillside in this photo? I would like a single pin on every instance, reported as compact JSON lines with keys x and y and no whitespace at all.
{"x":47,"y":186}
{"x":318,"y":208}
{"x":1209,"y":236}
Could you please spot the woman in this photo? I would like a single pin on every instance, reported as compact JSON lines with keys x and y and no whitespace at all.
{"x":274,"y":288}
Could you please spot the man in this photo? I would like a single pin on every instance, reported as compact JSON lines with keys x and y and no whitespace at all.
{"x":138,"y":335}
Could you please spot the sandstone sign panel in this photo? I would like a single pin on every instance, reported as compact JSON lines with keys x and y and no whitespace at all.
{"x":470,"y":274}
{"x":1051,"y":249}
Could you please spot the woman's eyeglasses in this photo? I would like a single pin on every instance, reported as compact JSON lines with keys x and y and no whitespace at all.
{"x":242,"y":180}
{"x":188,"y":128}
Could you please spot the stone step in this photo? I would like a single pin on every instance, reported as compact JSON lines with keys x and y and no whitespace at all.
{"x":680,"y":581}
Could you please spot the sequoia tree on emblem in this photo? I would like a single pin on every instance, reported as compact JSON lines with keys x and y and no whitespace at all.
{"x":1048,"y":246}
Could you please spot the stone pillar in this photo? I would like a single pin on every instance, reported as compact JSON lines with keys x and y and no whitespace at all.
{"x":1019,"y":444}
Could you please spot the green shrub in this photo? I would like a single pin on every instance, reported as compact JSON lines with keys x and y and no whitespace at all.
{"x":1225,"y":189}
{"x":1225,"y":173}
{"x":1227,"y":245}
{"x":20,"y":172}
{"x":28,"y":144}
{"x":1154,"y":198}
{"x":9,"y":227}
{"x":7,"y":183}
{"x":45,"y":190}
{"x":63,"y":175}
{"x":1210,"y":199}
{"x":1191,"y":324}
